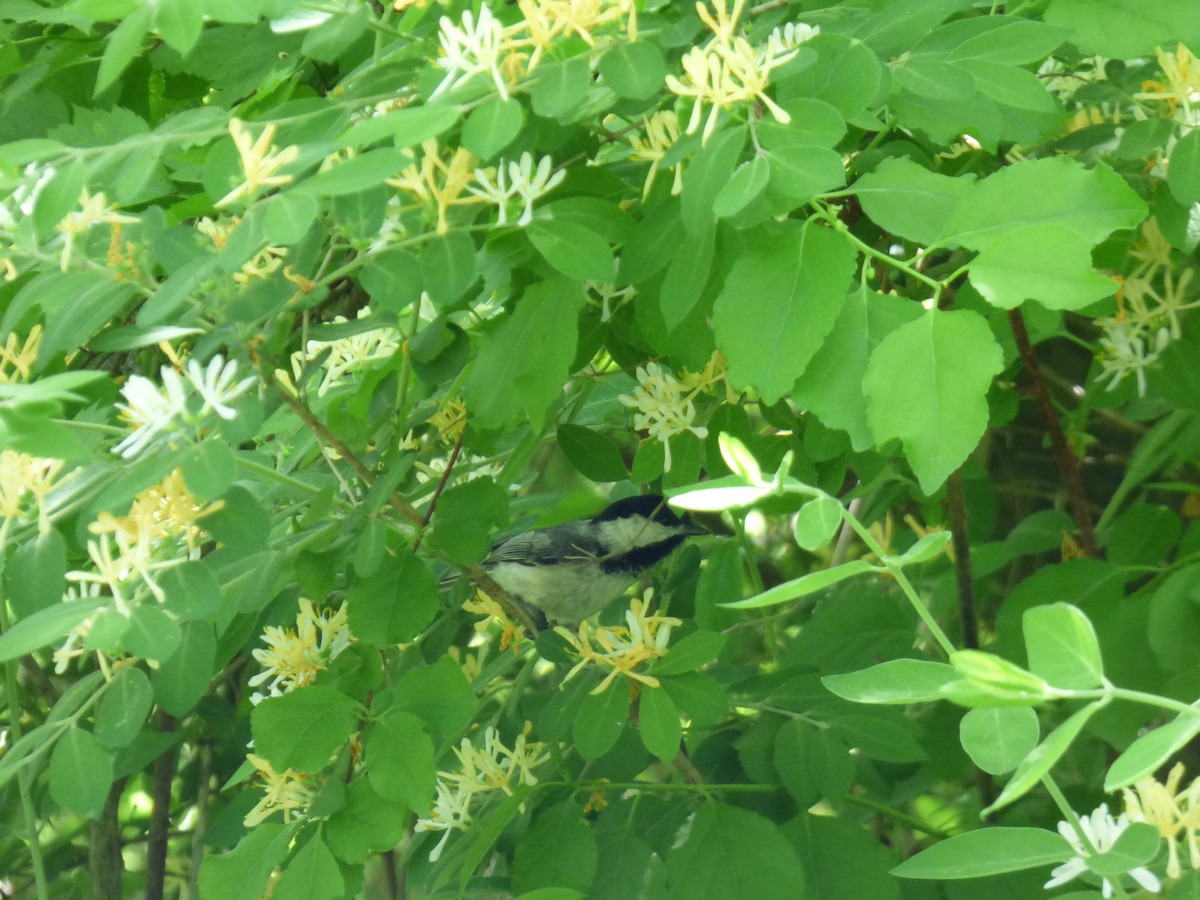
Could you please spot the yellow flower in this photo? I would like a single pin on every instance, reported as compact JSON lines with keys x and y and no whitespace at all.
{"x":22,"y":474}
{"x":287,"y":791}
{"x":436,"y":182}
{"x":484,"y":605}
{"x":93,"y":210}
{"x":1175,"y":813}
{"x":159,"y":514}
{"x":622,"y":649}
{"x":662,"y":130}
{"x":261,"y":160}
{"x":294,"y":658}
{"x":1182,"y":88}
{"x":17,"y":358}
{"x":664,"y":405}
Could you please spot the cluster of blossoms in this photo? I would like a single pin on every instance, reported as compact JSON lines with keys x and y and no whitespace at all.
{"x":154,"y":411}
{"x":23,"y":476}
{"x":480,"y":45}
{"x":347,"y":355}
{"x":643,"y":638}
{"x":665,"y":404}
{"x":289,"y":792}
{"x":481,"y":770}
{"x":261,"y":161}
{"x":294,"y":657}
{"x":1174,"y":812}
{"x":260,"y":265}
{"x":439,"y":183}
{"x":728,"y":71}
{"x":159,"y":532}
{"x":1151,"y":299}
{"x":94,"y":209}
{"x":484,"y":605}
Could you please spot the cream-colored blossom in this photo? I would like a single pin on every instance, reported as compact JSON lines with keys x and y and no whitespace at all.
{"x":349,"y":354}
{"x":1180,"y":89}
{"x":1174,"y":812}
{"x":523,"y":180}
{"x":622,"y":649}
{"x":162,"y":515}
{"x":261,"y":161}
{"x":493,"y":767}
{"x":294,"y":657}
{"x":662,"y":130}
{"x":665,"y":405}
{"x":450,"y":420}
{"x":288,"y":792}
{"x":489,"y":608}
{"x":21,"y":476}
{"x":474,"y":46}
{"x":1102,"y":831}
{"x":17,"y":357}
{"x":93,"y":210}
{"x":1126,"y":349}
{"x":438,"y":183}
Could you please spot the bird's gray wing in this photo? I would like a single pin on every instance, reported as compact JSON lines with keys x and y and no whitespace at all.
{"x":542,"y":547}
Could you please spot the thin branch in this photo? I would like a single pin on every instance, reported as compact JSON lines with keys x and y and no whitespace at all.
{"x":160,"y":816}
{"x":956,"y":506}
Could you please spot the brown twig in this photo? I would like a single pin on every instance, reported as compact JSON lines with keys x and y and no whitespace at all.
{"x":1068,"y":463}
{"x":105,"y":865}
{"x":160,"y":815}
{"x":956,"y":506}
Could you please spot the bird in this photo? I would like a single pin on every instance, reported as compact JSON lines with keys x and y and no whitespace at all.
{"x":571,"y":571}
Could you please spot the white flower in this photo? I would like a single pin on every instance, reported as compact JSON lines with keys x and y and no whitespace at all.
{"x":786,"y":38}
{"x":499,"y":193}
{"x":1102,"y":832}
{"x":470,"y":49}
{"x":1125,"y":350}
{"x":149,"y":410}
{"x":529,"y":184}
{"x":664,"y":407}
{"x":451,"y":809}
{"x":215,"y":385}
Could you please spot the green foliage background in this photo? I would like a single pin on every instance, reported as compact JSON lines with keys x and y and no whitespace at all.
{"x":923,"y":298}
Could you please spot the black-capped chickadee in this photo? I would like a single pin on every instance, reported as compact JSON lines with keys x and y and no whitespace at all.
{"x":571,"y":571}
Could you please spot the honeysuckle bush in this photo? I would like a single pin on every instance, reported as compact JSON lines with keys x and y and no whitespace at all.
{"x":305,"y":304}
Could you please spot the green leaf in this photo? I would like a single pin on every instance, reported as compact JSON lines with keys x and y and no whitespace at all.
{"x":152,"y":634}
{"x":406,"y":127}
{"x":634,"y":70}
{"x":124,"y":707}
{"x":748,"y":181}
{"x":1047,"y":263}
{"x":492,"y":126}
{"x":243,"y":873}
{"x":929,"y":76}
{"x":1011,"y":39}
{"x":191,"y":590}
{"x":46,"y":626}
{"x":1042,"y":759}
{"x":998,"y":675}
{"x":802,"y":586}
{"x":631,"y":869}
{"x":81,"y":772}
{"x":355,"y":174}
{"x":652,"y":244}
{"x":817,"y":522}
{"x":594,"y":454}
{"x":573,"y":250}
{"x":466,"y":517}
{"x":399,"y":757}
{"x":179,"y":22}
{"x":35,"y":576}
{"x":600,"y":721}
{"x":302,"y":729}
{"x":1124,"y":28}
{"x":997,"y":739}
{"x":719,"y":497}
{"x":986,"y":851}
{"x":440,"y":695}
{"x":122,"y":44}
{"x":927,"y":384}
{"x":209,"y":469}
{"x":907,"y":199}
{"x":690,"y":653}
{"x":312,"y":874}
{"x":923,"y":550}
{"x":523,"y":363}
{"x":182,"y":679}
{"x":705,"y":177}
{"x":658,"y":722}
{"x":895,"y":681}
{"x":558,"y":851}
{"x":1062,"y":647}
{"x":1092,"y":203}
{"x":733,"y":854}
{"x":59,"y":196}
{"x":687,"y":276}
{"x":393,"y":277}
{"x":560,"y":88}
{"x":241,"y":522}
{"x":1150,"y":751}
{"x":289,"y":216}
{"x":779,"y":301}
{"x":395,"y":602}
{"x":812,"y":762}
{"x":367,"y":823}
{"x":801,"y":172}
{"x":832,"y":384}
{"x":1183,"y":174}
{"x":1135,"y":846}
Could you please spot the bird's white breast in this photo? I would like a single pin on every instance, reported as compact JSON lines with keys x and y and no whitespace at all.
{"x":565,"y":592}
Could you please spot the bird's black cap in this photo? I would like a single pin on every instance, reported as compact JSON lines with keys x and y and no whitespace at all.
{"x":653,"y":507}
